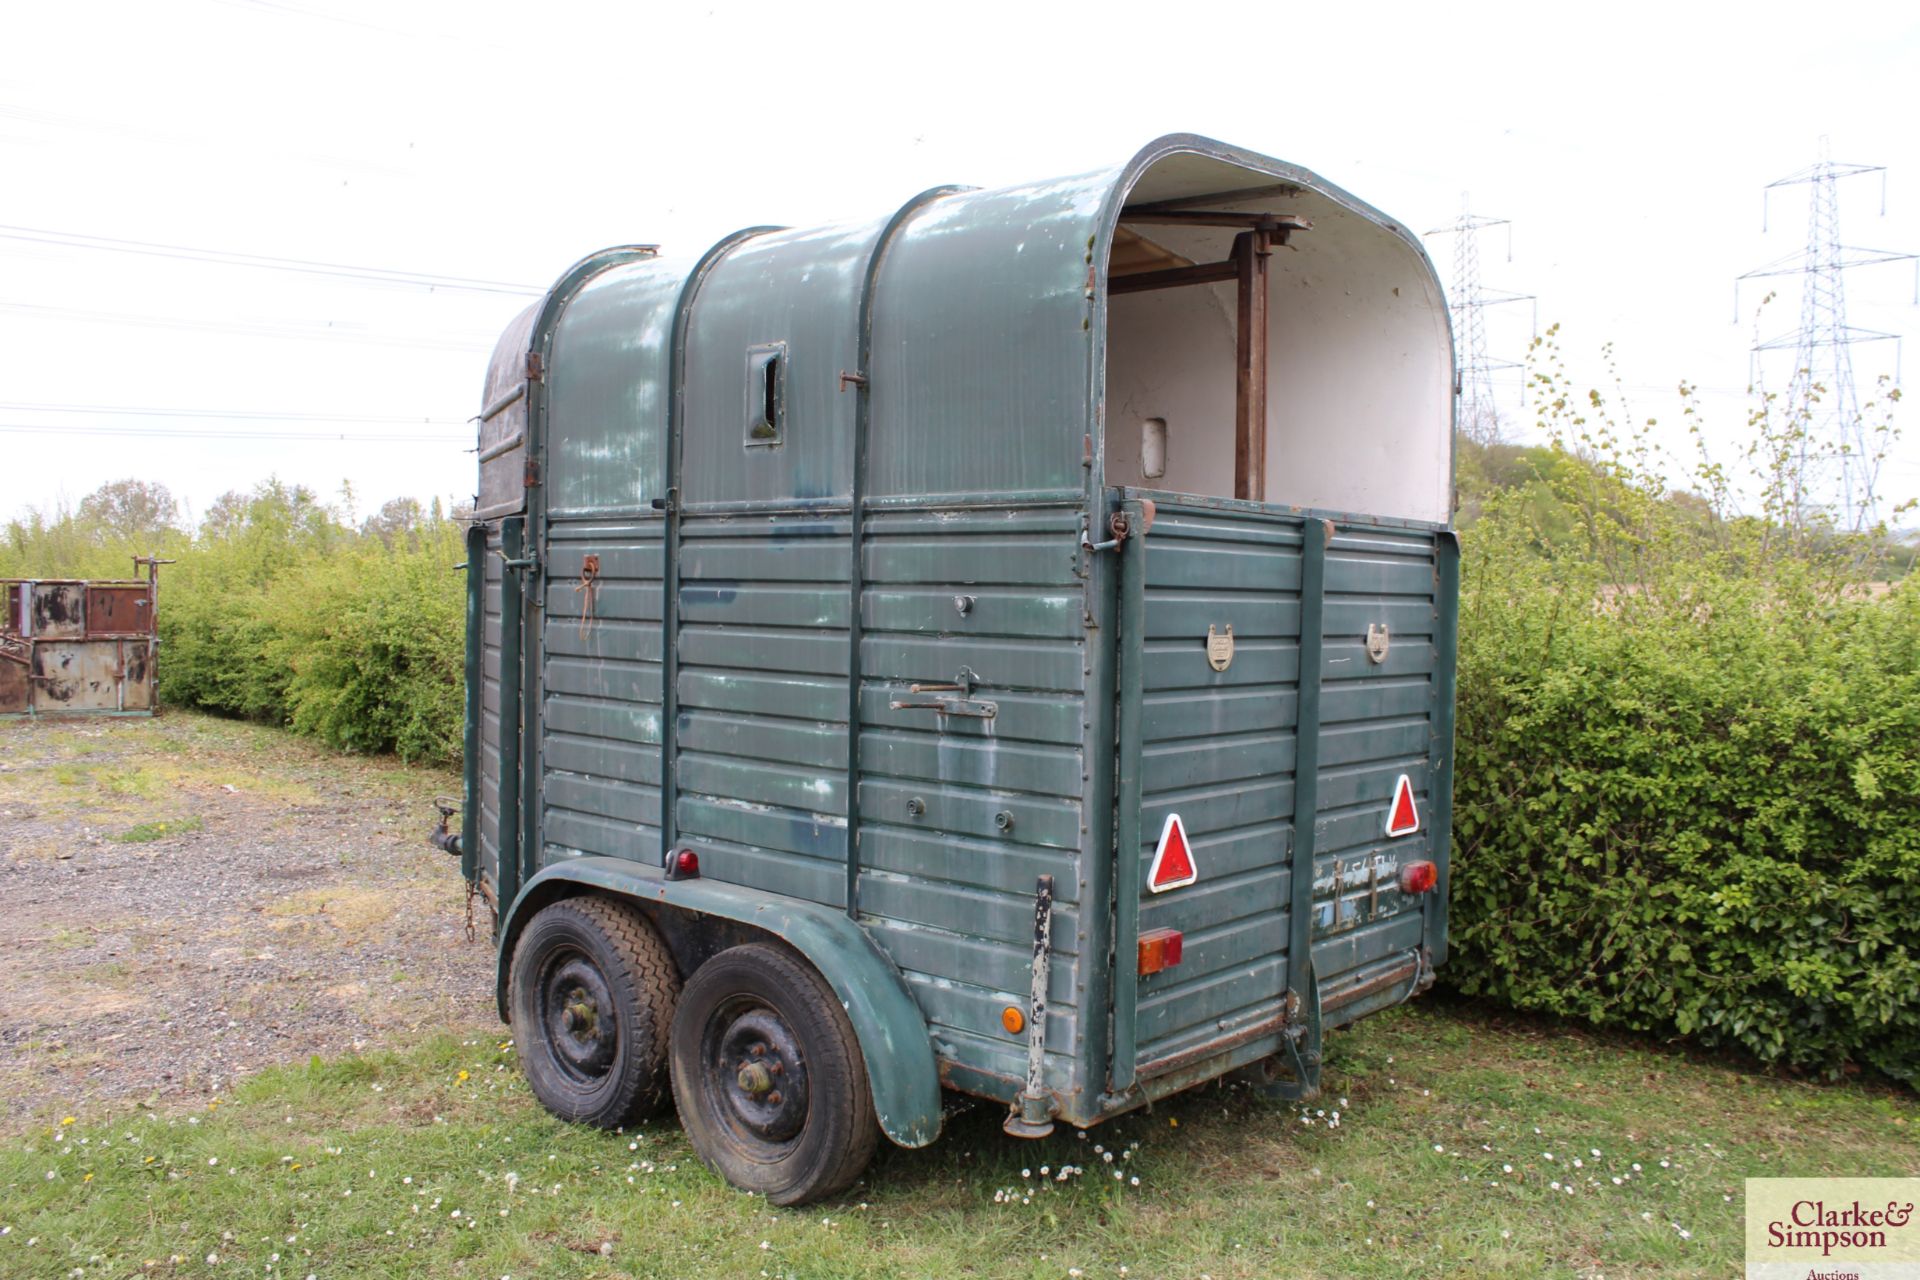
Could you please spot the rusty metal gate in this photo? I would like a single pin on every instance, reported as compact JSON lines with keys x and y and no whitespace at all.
{"x":70,"y":647}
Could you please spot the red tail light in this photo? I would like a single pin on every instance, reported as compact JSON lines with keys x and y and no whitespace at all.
{"x":1159,"y":949}
{"x":684,"y":865}
{"x":1418,"y":877}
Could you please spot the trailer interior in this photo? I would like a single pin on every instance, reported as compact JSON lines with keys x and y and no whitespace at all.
{"x":1266,"y":344}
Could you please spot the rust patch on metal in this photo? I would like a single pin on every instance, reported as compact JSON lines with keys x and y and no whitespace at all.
{"x":1393,"y":977}
{"x":71,"y":646}
{"x":118,"y":610}
{"x":1214,"y":1048}
{"x":59,"y":609}
{"x":14,"y":687}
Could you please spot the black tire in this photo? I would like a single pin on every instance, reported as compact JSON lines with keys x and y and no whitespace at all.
{"x":799,"y":1127}
{"x":591,"y":996}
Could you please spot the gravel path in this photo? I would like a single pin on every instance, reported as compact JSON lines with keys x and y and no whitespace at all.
{"x":187,"y":900}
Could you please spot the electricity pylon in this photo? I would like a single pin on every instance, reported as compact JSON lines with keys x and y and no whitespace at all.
{"x":1479,"y":417}
{"x":1834,"y":455}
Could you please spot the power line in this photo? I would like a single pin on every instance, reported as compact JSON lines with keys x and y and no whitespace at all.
{"x":188,"y":433}
{"x":143,"y":411}
{"x":222,"y":257}
{"x":274,"y":6}
{"x":53,"y":119}
{"x":257,"y":329}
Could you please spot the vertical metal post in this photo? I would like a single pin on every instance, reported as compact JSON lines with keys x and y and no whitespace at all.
{"x":670,"y":641}
{"x":152,"y":640}
{"x":1446,"y":630}
{"x":476,"y":679}
{"x":153,"y":562}
{"x":1306,"y":764}
{"x":1033,"y":1111}
{"x":1251,"y":251}
{"x":1127,"y":836}
{"x":670,"y":503}
{"x":507,"y":868}
{"x":856,"y":380}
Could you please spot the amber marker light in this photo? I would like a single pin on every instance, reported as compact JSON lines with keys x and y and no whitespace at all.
{"x":1160,"y":949}
{"x":1013,"y":1020}
{"x":1418,"y":877}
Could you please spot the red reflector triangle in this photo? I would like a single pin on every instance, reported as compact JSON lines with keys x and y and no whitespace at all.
{"x":1402,"y":818}
{"x":1173,"y":860}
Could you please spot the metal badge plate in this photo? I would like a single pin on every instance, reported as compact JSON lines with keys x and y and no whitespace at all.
{"x":1219,"y":648}
{"x":1377,"y":641}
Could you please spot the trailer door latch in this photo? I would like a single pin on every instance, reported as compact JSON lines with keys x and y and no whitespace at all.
{"x":964,"y":705}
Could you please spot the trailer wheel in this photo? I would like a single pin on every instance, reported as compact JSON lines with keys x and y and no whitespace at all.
{"x":769,"y":1078}
{"x":592,"y":991}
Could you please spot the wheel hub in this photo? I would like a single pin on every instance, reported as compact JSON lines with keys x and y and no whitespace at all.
{"x":578,"y":1008}
{"x":764,"y":1079}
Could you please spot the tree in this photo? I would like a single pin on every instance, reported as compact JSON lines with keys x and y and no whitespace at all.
{"x":137,"y":511}
{"x":395,"y":520}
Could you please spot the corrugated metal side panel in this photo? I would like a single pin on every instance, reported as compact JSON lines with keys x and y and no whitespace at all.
{"x":607,"y":391}
{"x":503,"y":434}
{"x":948,"y":893}
{"x":489,"y":773}
{"x":1218,"y":749}
{"x":761,"y":740}
{"x":600,"y":714}
{"x":1376,"y":723}
{"x":801,"y":291}
{"x":982,"y":338}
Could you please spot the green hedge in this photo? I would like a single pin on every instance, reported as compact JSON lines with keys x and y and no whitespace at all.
{"x":1690,"y":806}
{"x":349,"y":637}
{"x":362,"y":648}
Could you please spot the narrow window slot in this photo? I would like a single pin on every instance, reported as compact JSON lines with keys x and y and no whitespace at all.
{"x":766,"y":394}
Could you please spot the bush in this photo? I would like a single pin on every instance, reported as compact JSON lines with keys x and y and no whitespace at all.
{"x":1688,"y":784}
{"x":376,"y":650}
{"x":282,"y":613}
{"x":277,"y":609}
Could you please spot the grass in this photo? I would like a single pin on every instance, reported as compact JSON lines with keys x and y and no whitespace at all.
{"x":189,"y":751}
{"x":147,"y":832}
{"x":1453,"y":1130}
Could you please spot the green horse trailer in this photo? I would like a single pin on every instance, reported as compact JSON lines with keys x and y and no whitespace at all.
{"x":1005,"y":646}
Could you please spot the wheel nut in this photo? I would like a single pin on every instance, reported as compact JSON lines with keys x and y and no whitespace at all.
{"x":758,"y":1050}
{"x":774,"y":1098}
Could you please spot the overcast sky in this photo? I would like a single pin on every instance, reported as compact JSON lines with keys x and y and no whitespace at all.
{"x":499,"y":143}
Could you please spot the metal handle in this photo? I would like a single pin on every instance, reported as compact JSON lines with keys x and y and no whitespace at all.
{"x":950,"y":707}
{"x":500,"y":448}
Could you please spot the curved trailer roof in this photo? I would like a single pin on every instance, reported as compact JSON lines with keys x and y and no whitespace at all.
{"x":958,"y":348}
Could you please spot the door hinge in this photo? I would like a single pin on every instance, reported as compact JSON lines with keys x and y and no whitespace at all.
{"x":536,"y":367}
